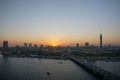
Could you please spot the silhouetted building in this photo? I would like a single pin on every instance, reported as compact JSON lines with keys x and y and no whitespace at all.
{"x":41,"y":45}
{"x":77,"y":45}
{"x":30,"y":45}
{"x":5,"y":44}
{"x":25,"y":44}
{"x":17,"y":46}
{"x":35,"y":45}
{"x":100,"y":40}
{"x":87,"y":44}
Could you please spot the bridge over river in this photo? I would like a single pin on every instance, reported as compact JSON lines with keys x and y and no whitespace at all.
{"x":98,"y":72}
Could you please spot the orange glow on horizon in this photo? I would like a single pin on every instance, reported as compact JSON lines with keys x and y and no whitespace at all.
{"x":61,"y":42}
{"x":54,"y":43}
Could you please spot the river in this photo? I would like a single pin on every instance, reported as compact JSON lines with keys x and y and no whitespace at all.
{"x":12,"y":68}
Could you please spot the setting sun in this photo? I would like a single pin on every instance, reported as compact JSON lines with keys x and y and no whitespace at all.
{"x":54,"y":43}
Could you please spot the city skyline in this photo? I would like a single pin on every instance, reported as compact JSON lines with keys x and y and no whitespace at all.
{"x":56,"y":44}
{"x":59,"y":22}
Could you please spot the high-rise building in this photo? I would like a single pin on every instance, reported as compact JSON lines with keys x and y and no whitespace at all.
{"x":35,"y":45}
{"x":100,"y":40}
{"x":25,"y":44}
{"x":30,"y":45}
{"x":5,"y":44}
{"x":87,"y":44}
{"x":77,"y":45}
{"x":41,"y":45}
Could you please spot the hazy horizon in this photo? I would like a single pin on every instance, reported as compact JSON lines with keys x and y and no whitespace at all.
{"x":60,"y":22}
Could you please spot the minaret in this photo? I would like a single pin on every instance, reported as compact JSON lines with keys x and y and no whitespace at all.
{"x":100,"y":40}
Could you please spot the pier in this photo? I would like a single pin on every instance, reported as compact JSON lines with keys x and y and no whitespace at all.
{"x":96,"y":71}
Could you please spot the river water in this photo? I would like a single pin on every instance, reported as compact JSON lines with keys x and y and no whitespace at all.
{"x":12,"y":68}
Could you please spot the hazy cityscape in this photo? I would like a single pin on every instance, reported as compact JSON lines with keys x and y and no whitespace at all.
{"x":84,"y":53}
{"x":60,"y":52}
{"x":59,"y":40}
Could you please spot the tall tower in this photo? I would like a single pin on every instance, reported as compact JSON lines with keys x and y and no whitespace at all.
{"x":100,"y":40}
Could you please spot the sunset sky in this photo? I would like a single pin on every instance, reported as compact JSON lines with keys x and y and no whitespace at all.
{"x":62,"y":22}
